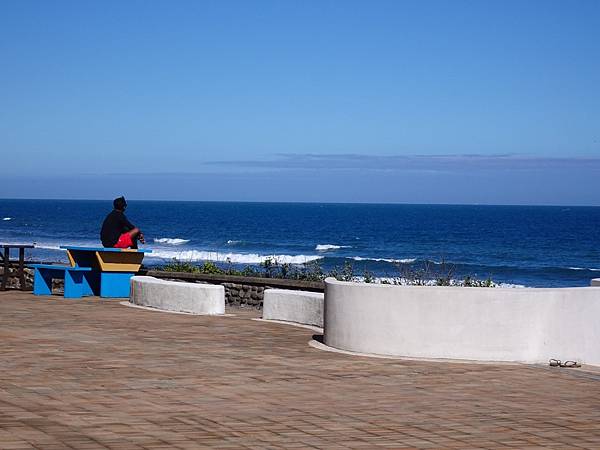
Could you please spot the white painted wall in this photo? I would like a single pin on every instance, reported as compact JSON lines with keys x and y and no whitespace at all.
{"x":178,"y":296}
{"x":488,"y":324}
{"x":293,"y":306}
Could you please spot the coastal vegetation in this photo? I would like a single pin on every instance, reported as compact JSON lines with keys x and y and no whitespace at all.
{"x":426,"y":274}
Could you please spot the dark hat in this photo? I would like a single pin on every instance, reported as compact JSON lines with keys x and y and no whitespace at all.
{"x":119,"y":203}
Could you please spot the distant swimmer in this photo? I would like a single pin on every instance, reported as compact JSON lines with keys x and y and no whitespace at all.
{"x":117,"y":231}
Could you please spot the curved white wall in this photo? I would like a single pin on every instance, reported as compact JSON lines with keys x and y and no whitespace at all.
{"x":177,"y":296}
{"x":293,"y":306}
{"x":487,"y":324}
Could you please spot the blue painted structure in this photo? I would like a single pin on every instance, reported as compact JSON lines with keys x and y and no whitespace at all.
{"x":115,"y":284}
{"x":76,"y":285}
{"x":112,"y":268}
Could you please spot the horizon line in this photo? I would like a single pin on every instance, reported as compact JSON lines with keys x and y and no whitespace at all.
{"x":307,"y":202}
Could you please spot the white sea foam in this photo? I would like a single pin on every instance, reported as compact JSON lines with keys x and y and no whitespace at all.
{"x":7,"y":218}
{"x":325,"y":247}
{"x":233,"y":242}
{"x":509,"y":285}
{"x":406,"y":282}
{"x":49,"y":247}
{"x":236,"y":258}
{"x":403,"y":261}
{"x":584,"y":268}
{"x":52,"y":245}
{"x":171,"y":241}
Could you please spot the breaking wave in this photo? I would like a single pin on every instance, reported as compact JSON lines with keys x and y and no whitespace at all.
{"x":584,"y":268}
{"x":49,"y":247}
{"x":171,"y":241}
{"x":236,"y":258}
{"x":403,"y":261}
{"x":233,"y":242}
{"x":325,"y":247}
{"x":7,"y":218}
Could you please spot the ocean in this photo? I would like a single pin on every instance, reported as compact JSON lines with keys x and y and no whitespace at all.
{"x":532,"y":246}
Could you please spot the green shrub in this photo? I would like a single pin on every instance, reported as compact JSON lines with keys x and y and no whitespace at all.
{"x":425,"y":275}
{"x":180,"y":266}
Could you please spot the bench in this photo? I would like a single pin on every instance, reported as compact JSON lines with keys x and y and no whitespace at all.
{"x":177,"y":296}
{"x":112,"y":268}
{"x":293,"y":306}
{"x":75,"y":284}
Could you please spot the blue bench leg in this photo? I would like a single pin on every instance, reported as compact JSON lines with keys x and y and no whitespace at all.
{"x":91,"y":283}
{"x":73,"y":284}
{"x":115,"y":284}
{"x":42,"y":282}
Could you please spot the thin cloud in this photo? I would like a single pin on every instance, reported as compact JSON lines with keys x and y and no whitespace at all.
{"x":413,"y":162}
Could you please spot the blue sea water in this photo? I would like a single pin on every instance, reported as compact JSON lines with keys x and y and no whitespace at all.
{"x":520,"y":245}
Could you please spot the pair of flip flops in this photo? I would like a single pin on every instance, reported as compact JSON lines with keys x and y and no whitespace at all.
{"x":559,"y":363}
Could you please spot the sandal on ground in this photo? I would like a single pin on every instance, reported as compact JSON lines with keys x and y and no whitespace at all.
{"x":568,"y":364}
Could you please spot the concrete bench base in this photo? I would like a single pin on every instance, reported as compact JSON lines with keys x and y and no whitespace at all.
{"x":293,"y":306}
{"x":177,"y":296}
{"x":484,"y":324}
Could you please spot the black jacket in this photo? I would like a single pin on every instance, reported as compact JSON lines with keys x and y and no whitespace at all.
{"x":113,"y":227}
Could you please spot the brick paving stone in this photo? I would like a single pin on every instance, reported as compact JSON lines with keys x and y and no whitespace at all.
{"x":93,"y":374}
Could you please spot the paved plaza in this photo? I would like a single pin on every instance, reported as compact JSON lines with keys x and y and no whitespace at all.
{"x":93,"y":373}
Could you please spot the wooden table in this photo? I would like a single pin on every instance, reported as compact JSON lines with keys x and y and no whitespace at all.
{"x":5,"y":257}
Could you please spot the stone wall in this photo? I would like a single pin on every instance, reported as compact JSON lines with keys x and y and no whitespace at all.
{"x":241,"y":291}
{"x":13,"y":280}
{"x":237,"y":294}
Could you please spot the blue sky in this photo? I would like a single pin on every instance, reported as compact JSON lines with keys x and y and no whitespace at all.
{"x":382,"y":101}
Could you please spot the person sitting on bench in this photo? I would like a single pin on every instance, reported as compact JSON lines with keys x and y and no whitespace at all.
{"x":117,"y":231}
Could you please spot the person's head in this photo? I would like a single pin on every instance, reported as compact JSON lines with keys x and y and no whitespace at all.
{"x":120,"y":204}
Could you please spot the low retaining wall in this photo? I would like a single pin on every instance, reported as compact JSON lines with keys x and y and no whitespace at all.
{"x":294,"y":306}
{"x":177,"y":296}
{"x":487,"y":324}
{"x":14,"y":282}
{"x":240,"y":290}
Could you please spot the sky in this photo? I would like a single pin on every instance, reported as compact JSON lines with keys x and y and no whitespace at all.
{"x":492,"y":102}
